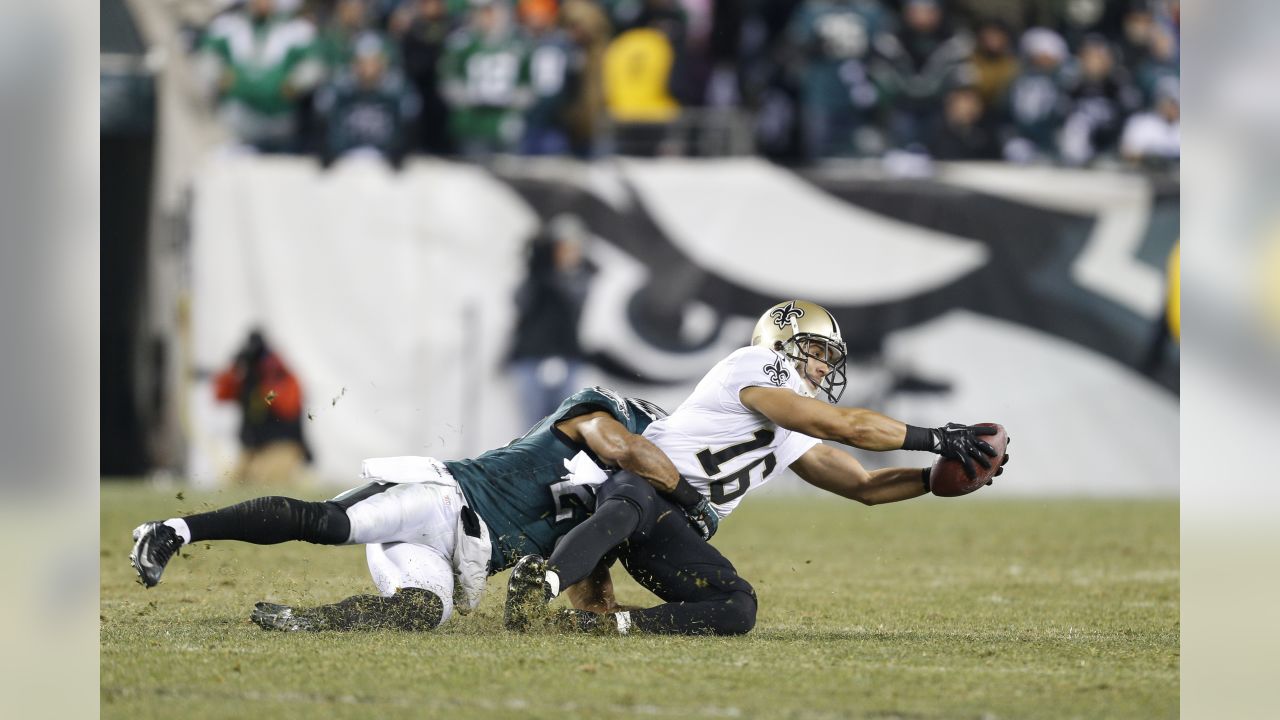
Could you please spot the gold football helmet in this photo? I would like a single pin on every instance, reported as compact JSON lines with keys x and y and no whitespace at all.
{"x":806,"y":333}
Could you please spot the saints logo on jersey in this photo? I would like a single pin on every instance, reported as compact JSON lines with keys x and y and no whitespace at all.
{"x":777,"y":372}
{"x":783,"y":315}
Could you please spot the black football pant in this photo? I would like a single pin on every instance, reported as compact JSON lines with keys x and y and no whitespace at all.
{"x":703,"y":593}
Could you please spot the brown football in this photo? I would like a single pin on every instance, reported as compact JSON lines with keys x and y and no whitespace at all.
{"x":947,"y":478}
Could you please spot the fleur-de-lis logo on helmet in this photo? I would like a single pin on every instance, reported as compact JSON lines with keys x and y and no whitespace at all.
{"x":783,"y":315}
{"x":777,"y":372}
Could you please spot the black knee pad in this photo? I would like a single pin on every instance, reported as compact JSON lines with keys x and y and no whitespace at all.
{"x":737,"y":616}
{"x":721,"y":581}
{"x":636,"y":492}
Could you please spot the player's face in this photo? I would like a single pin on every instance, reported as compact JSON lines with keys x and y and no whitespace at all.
{"x":819,"y":358}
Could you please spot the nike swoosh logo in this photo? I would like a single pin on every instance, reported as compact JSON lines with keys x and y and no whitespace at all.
{"x":142,"y":555}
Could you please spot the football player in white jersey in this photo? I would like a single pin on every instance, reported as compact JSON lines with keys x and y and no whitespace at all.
{"x":754,"y":414}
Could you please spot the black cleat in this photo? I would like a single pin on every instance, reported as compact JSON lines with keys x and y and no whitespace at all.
{"x":155,"y":544}
{"x":527,"y":593}
{"x":270,"y":616}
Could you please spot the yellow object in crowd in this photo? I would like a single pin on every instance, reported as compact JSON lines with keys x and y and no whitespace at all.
{"x":637,"y":68}
{"x":1173,"y":309}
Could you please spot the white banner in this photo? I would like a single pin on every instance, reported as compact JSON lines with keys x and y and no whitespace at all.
{"x":391,"y":296}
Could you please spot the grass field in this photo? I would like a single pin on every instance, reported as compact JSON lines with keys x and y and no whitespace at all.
{"x":935,"y":608}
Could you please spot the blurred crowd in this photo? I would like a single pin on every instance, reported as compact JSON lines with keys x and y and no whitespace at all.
{"x":1073,"y":82}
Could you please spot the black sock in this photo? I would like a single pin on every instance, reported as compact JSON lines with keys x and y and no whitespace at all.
{"x":581,"y":549}
{"x":413,"y":609}
{"x":271,"y":520}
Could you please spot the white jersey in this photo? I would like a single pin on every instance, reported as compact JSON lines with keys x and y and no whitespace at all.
{"x":722,"y":447}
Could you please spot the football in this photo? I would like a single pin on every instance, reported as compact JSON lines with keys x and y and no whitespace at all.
{"x":947,"y":478}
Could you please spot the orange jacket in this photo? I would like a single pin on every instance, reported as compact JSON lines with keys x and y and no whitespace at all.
{"x":277,"y":383}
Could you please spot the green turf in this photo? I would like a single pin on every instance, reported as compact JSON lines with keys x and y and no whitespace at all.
{"x":932,"y":608}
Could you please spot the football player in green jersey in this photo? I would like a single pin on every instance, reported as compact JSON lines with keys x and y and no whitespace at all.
{"x":434,"y":531}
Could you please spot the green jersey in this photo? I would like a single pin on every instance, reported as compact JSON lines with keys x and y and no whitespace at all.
{"x":834,"y":42}
{"x":263,"y":57}
{"x":486,"y":81}
{"x":520,"y":491}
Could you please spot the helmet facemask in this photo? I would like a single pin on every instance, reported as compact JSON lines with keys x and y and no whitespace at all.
{"x":804,"y":348}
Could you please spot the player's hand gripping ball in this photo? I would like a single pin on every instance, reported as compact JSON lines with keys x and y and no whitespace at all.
{"x":947,"y":478}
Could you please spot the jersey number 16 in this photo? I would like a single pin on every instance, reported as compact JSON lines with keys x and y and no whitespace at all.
{"x":711,"y":463}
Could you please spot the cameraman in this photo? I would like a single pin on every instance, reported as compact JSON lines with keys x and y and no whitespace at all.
{"x":270,"y":400}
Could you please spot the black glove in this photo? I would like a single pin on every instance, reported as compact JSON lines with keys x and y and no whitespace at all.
{"x":696,"y":508}
{"x":1003,"y":461}
{"x":703,"y":517}
{"x":964,"y":443}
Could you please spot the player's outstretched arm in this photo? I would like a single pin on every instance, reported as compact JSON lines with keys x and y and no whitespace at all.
{"x":614,"y":444}
{"x":868,"y":429}
{"x":840,"y":473}
{"x":858,"y":427}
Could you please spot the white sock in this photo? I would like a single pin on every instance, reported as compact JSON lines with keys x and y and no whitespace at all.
{"x":180,"y":526}
{"x":624,"y":622}
{"x":554,"y":581}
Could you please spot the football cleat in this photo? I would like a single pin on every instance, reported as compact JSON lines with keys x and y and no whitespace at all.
{"x":154,"y":545}
{"x":528,"y":593}
{"x":270,"y":616}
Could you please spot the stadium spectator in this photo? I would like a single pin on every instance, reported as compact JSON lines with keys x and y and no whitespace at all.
{"x":637,"y":79}
{"x":963,"y":132}
{"x":425,"y":26}
{"x":546,"y":355}
{"x":1037,"y":99}
{"x":258,"y":64}
{"x":1137,"y":27}
{"x":1160,"y":62}
{"x":921,"y":61}
{"x":1010,"y":14}
{"x":588,"y":30}
{"x":485,"y":81}
{"x":1076,"y":20}
{"x":336,"y":44}
{"x":696,"y":57}
{"x":1153,"y":138}
{"x":368,"y":108}
{"x":669,"y":18}
{"x":270,"y":399}
{"x":350,"y":22}
{"x":623,"y":15}
{"x":549,"y":54}
{"x":1171,"y":15}
{"x":1102,"y":98}
{"x":994,"y":62}
{"x":831,"y":45}
{"x":816,"y":78}
{"x":766,"y":73}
